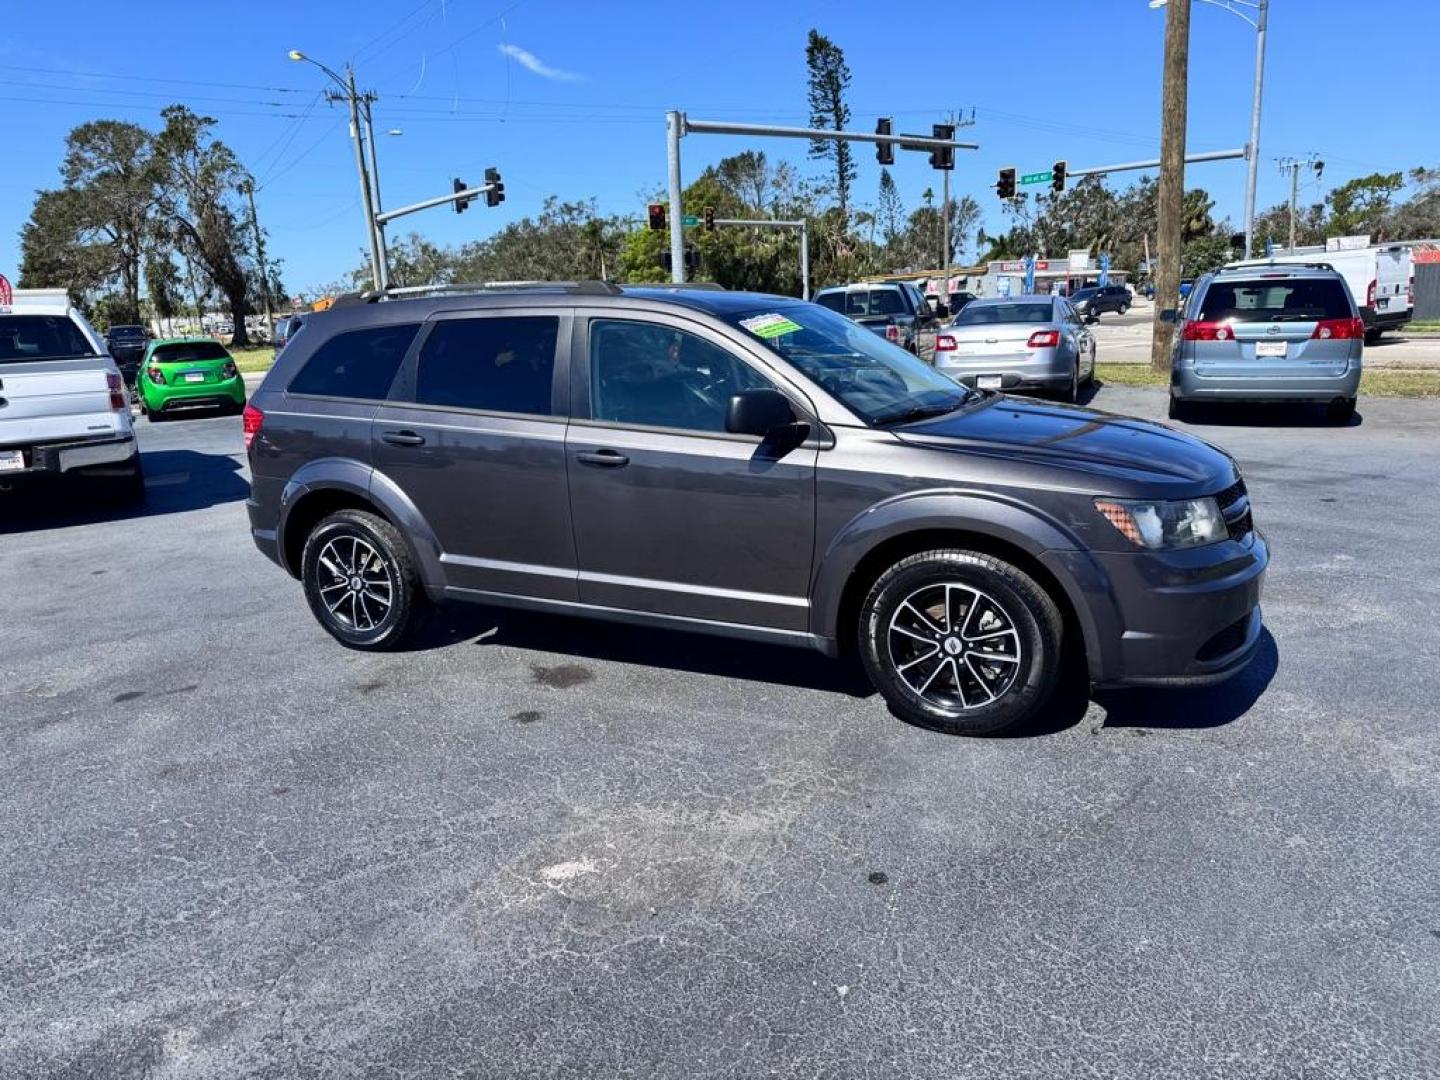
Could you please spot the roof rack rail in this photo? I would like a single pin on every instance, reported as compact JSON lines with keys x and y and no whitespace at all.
{"x":406,"y":292}
{"x":1251,"y":264}
{"x":671,"y":286}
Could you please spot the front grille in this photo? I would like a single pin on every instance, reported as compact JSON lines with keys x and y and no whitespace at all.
{"x":1235,"y":509}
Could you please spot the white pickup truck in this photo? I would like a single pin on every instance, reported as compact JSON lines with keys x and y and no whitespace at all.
{"x":64,"y":409}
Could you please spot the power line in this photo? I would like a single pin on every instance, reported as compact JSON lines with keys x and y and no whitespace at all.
{"x":152,"y":78}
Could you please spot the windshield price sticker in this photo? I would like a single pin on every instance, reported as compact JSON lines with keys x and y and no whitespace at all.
{"x":770,"y":326}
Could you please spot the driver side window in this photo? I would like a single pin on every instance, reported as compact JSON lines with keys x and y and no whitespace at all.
{"x":649,"y":375}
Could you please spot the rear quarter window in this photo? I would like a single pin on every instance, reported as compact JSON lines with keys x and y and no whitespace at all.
{"x":356,"y":364}
{"x":1275,"y":300}
{"x":835,"y":301}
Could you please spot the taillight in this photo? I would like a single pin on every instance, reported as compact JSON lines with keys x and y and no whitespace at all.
{"x":1370,"y":295}
{"x":892,"y":333}
{"x":155,"y":375}
{"x":944,"y":343}
{"x":251,"y":419}
{"x":1410,"y":293}
{"x":118,"y":401}
{"x":1207,"y":331}
{"x":1339,"y":329}
{"x":229,"y":371}
{"x":1044,"y":339}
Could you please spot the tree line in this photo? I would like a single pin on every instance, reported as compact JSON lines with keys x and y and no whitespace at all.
{"x":153,"y":214}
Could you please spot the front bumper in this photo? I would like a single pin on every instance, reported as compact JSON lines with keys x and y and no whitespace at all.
{"x":1171,"y":618}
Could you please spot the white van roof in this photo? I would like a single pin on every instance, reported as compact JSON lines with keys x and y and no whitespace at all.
{"x":41,"y":302}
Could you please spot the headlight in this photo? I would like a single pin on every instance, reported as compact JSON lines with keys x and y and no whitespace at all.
{"x":1157,"y":524}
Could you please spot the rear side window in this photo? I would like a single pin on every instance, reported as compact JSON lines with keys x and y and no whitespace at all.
{"x":886,"y":302}
{"x":1274,"y":300}
{"x":835,"y":301}
{"x":356,"y":364}
{"x":494,"y":365}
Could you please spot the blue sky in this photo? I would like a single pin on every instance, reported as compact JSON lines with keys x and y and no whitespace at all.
{"x":568,"y":98}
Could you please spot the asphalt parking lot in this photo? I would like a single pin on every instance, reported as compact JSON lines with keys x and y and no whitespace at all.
{"x":541,"y":847}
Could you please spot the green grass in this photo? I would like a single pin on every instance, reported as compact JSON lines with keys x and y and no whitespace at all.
{"x":1423,"y":326}
{"x":257,"y":358}
{"x":1384,"y":382}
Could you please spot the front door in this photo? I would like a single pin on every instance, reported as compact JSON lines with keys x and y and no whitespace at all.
{"x":673,"y":515}
{"x":474,"y":437}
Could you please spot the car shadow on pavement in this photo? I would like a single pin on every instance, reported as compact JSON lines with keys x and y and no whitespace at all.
{"x":1196,"y":707}
{"x":676,"y":650}
{"x":1269,"y":416}
{"x":175,"y":481}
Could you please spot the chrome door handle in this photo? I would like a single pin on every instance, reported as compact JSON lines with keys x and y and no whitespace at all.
{"x":606,"y":459}
{"x":402,"y":438}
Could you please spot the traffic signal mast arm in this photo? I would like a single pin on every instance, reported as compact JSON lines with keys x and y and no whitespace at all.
{"x":459,"y":197}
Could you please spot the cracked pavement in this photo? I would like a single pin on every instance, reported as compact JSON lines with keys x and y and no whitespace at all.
{"x":542,"y":847}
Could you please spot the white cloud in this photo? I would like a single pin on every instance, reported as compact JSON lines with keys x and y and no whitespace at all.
{"x":530,"y":62}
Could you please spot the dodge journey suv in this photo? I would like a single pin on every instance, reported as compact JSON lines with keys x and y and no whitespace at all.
{"x":743,"y":465}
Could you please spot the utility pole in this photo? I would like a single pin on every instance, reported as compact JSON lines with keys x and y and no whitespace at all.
{"x":1168,"y":234}
{"x":1261,"y":24}
{"x":1293,"y":166}
{"x":248,"y":187}
{"x":380,"y":249}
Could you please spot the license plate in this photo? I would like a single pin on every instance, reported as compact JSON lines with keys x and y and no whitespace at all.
{"x":194,"y":376}
{"x":1382,"y":302}
{"x":1270,"y":348}
{"x":988,"y":382}
{"x":12,"y":460}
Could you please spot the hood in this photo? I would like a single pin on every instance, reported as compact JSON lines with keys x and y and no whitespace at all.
{"x":1128,"y":456}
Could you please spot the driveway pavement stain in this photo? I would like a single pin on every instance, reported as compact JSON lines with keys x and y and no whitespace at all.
{"x":561,"y":677}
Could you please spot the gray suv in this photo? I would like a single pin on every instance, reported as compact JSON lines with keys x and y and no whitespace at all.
{"x":1270,"y":333}
{"x":743,"y":465}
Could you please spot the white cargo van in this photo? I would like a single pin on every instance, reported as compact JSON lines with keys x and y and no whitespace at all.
{"x":1394,"y":300}
{"x":64,"y":409}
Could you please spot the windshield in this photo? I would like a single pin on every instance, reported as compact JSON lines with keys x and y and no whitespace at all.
{"x":1020,"y":312}
{"x":1290,"y":300}
{"x":41,"y":337}
{"x":185,"y":352}
{"x":878,"y":381}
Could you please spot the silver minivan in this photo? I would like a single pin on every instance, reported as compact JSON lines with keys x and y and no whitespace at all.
{"x":1284,"y":333}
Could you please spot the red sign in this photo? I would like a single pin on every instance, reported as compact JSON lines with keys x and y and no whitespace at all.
{"x":7,"y":294}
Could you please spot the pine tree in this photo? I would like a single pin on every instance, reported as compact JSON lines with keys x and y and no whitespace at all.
{"x":829,"y":78}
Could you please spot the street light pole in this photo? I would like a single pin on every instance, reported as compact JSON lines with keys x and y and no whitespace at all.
{"x":349,"y":94}
{"x":380,"y":249}
{"x":1253,"y":164}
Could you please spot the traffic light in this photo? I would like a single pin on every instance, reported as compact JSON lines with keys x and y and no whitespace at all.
{"x":657,"y":216}
{"x":1057,"y":176}
{"x":496,"y":195}
{"x":942,"y":157}
{"x":1005,"y":183}
{"x":460,"y":204}
{"x":884,"y":151}
{"x":708,"y":215}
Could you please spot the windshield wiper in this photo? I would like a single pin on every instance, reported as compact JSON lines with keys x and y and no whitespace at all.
{"x":919,"y":412}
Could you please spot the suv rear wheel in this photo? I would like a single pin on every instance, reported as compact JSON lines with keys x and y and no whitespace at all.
{"x":361,"y":582}
{"x":960,"y":642}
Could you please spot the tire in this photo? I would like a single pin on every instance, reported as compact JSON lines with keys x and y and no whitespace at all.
{"x":332,"y":550}
{"x":1089,"y":379}
{"x":155,"y":416}
{"x":1372,"y":336}
{"x":1341,"y":411}
{"x":1017,"y":620}
{"x":1072,"y":393}
{"x":1124,"y":308}
{"x":1180,"y":410}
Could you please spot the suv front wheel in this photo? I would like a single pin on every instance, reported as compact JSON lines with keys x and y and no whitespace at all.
{"x":961,"y":642}
{"x":361,"y":582}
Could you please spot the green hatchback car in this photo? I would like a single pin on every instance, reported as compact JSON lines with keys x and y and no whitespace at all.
{"x":188,"y":373}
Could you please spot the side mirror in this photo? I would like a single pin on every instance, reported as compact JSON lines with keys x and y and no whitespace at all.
{"x":1169,"y":315}
{"x":758,"y":412}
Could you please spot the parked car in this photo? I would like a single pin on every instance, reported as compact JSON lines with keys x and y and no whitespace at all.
{"x":897,"y":311}
{"x":1020,"y":342}
{"x":1281,"y":333}
{"x":1095,"y":300}
{"x":743,"y":465}
{"x":64,"y":410}
{"x":126,"y":345}
{"x":957,"y":302}
{"x":285,"y":328}
{"x":184,"y":374}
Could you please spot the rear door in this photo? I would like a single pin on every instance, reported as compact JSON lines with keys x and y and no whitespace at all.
{"x":474,"y":436}
{"x":1392,"y":285}
{"x":1271,"y":327}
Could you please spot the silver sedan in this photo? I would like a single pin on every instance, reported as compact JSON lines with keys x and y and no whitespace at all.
{"x":1015,"y":342}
